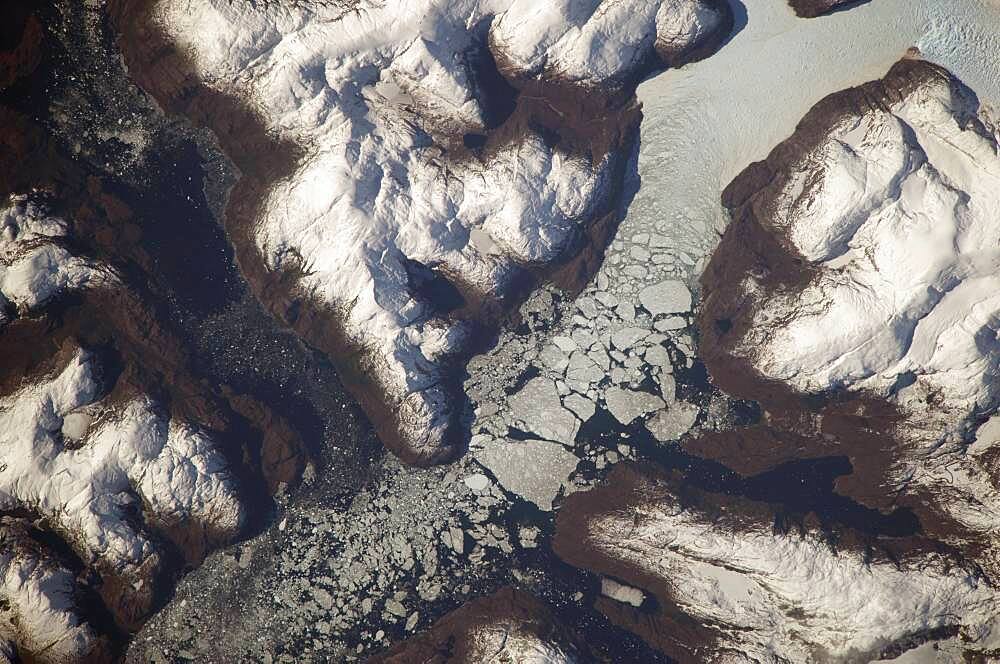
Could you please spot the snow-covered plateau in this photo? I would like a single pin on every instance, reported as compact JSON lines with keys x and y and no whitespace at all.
{"x":446,"y":155}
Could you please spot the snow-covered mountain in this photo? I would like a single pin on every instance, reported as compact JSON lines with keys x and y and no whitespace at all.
{"x":507,"y":626}
{"x":868,"y":267}
{"x":730,"y":587}
{"x":106,"y":467}
{"x":410,"y":169}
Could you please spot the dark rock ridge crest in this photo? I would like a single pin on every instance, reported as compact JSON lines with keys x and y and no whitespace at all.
{"x":816,"y":8}
{"x":509,"y":625}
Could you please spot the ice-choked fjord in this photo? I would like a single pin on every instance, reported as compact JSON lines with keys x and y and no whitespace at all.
{"x":414,"y":175}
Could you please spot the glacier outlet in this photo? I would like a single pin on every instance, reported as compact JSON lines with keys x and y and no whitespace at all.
{"x":875,"y":274}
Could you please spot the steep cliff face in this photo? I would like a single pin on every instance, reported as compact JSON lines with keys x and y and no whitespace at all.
{"x":408,"y":175}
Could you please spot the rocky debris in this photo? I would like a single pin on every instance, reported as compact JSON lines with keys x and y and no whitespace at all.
{"x":539,"y":410}
{"x":395,"y":267}
{"x":629,"y":405}
{"x":508,"y":626}
{"x":535,"y":470}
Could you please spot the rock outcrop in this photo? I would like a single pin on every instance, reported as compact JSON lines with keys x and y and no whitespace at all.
{"x":814,"y":8}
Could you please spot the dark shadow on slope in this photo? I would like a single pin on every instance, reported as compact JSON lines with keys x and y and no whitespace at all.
{"x":740,"y":20}
{"x":818,"y":8}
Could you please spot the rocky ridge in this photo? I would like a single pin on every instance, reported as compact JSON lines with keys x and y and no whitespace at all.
{"x":119,"y":467}
{"x":815,"y":8}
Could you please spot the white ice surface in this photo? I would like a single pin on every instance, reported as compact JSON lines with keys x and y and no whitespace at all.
{"x":706,"y":122}
{"x":360,"y":92}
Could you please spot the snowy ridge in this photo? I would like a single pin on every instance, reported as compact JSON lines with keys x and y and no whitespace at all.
{"x":594,"y":42}
{"x":507,"y":626}
{"x":372,"y":96}
{"x":41,"y":615}
{"x":505,"y":641}
{"x":788,"y":598}
{"x":81,"y":465}
{"x":34,"y":266}
{"x":895,"y":213}
{"x":110,"y":471}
